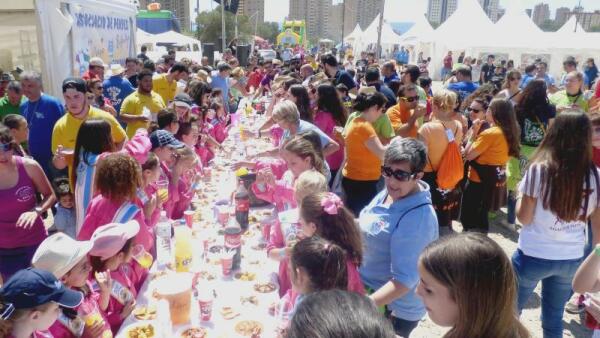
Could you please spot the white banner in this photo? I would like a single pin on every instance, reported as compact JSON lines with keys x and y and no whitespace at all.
{"x":100,"y":33}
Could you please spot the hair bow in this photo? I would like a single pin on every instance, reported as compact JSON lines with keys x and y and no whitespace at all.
{"x":331,"y":203}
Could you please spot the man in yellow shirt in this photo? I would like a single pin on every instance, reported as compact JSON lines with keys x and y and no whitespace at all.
{"x":166,"y":84}
{"x":67,"y":127}
{"x":141,"y":106}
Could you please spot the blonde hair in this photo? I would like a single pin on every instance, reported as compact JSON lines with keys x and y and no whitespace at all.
{"x":445,"y":100}
{"x":286,"y":110}
{"x":6,"y":326}
{"x":237,"y":73}
{"x":310,"y":181}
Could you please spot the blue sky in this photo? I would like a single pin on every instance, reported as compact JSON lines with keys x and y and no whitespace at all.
{"x":402,"y":10}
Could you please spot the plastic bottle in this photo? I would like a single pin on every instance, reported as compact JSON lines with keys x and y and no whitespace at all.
{"x":233,"y":241}
{"x":183,"y":248}
{"x":163,"y":241}
{"x":242,"y":205}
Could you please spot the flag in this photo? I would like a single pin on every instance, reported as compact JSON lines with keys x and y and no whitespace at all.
{"x":230,"y":5}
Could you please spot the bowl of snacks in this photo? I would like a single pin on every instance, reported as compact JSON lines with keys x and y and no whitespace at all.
{"x":140,"y":330}
{"x":192,"y":331}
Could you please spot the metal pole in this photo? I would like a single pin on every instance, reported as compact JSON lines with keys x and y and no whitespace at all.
{"x":577,"y":17}
{"x":223,"y":36}
{"x":343,"y":22}
{"x":236,"y":26}
{"x":378,"y":52}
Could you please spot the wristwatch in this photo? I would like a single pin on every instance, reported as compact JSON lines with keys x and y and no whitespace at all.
{"x":38,"y":210}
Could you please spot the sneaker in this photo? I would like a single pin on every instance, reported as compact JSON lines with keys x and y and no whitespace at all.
{"x":575,"y":306}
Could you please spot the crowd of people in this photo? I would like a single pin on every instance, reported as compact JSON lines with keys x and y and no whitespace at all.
{"x":380,"y":166}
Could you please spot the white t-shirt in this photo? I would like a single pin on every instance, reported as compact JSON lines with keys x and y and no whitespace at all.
{"x":547,"y":236}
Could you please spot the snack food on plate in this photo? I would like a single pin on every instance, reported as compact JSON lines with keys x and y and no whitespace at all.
{"x":194,"y":332}
{"x":245,"y":276}
{"x":264,"y":287}
{"x":251,"y":299}
{"x":145,"y":313}
{"x":229,"y":313}
{"x":249,"y":328}
{"x":142,"y":331}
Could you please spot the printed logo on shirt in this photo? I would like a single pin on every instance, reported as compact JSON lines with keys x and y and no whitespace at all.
{"x":75,"y":325}
{"x":24,"y":194}
{"x":113,"y":93}
{"x":39,"y":116}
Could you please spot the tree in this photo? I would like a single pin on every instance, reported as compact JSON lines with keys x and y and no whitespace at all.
{"x":549,"y":26}
{"x":594,"y":29}
{"x":209,"y":27}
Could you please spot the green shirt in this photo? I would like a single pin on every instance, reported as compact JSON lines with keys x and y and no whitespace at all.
{"x":383,"y":125}
{"x":561,"y":98}
{"x":7,"y":108}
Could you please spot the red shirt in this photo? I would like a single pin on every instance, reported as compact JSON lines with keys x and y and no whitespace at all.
{"x":89,"y":75}
{"x":254,"y":79}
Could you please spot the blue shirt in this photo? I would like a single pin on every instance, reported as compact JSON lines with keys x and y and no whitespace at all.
{"x":528,"y":78}
{"x":221,"y":82}
{"x":41,"y":117}
{"x":116,"y":89}
{"x":463,"y":89}
{"x":393,"y":246}
{"x":307,"y":126}
{"x":389,"y":79}
{"x":401,"y":56}
{"x":64,"y":220}
{"x":387,"y":92}
{"x":343,"y":77}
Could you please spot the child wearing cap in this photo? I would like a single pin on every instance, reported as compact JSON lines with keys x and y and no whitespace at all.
{"x":64,"y":220}
{"x":67,"y":260}
{"x":112,"y":251}
{"x":29,"y":303}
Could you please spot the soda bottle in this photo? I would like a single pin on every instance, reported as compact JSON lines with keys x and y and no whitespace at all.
{"x":183,"y":248}
{"x":163,"y":240}
{"x":242,"y":205}
{"x":233,"y":241}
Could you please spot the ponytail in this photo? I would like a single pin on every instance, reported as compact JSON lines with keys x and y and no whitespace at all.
{"x":323,"y":262}
{"x":307,"y":144}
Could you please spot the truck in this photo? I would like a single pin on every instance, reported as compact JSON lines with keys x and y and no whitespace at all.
{"x":58,"y":37}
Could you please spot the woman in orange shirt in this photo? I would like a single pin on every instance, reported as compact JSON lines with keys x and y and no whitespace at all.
{"x":488,"y":152}
{"x":364,"y":151}
{"x":437,"y":135}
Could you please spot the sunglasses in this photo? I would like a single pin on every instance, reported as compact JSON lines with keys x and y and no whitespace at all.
{"x":5,"y":147}
{"x":474,"y":110}
{"x":515,"y":78}
{"x":400,"y":175}
{"x":410,"y":99}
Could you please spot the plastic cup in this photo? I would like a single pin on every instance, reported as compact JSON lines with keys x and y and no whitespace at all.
{"x":189,"y":217}
{"x":227,"y":263}
{"x":223,"y":214}
{"x":163,"y":190}
{"x":143,"y":257}
{"x":177,"y":290}
{"x":205,"y":303}
{"x":91,"y":316}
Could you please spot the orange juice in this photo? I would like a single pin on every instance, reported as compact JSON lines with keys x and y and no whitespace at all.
{"x":95,"y":317}
{"x":163,"y":194}
{"x":144,"y":260}
{"x":183,"y":249}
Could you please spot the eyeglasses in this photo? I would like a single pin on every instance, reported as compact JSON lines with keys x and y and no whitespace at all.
{"x":5,"y":147}
{"x":410,"y":99}
{"x":99,"y":88}
{"x":90,"y":97}
{"x":474,"y":110}
{"x":400,"y":175}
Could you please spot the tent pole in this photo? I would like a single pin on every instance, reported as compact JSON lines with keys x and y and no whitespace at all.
{"x":223,"y":43}
{"x":378,"y":52}
{"x":577,"y":18}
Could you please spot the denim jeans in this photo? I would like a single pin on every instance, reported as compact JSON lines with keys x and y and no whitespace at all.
{"x":556,"y":277}
{"x":403,"y":327}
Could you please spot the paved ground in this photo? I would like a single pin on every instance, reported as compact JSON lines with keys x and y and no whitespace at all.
{"x":531,"y":315}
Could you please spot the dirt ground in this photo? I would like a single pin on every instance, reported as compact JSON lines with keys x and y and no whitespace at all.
{"x":530,"y":317}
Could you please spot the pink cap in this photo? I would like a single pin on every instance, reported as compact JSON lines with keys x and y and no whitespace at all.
{"x":109,"y":239}
{"x":139,"y":146}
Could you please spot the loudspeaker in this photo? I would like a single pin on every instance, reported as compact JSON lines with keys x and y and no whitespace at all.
{"x":243,"y":54}
{"x":208,"y":50}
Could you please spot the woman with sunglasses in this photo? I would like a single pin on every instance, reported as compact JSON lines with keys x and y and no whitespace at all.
{"x":21,"y":222}
{"x":488,"y":153}
{"x":535,"y":115}
{"x":396,"y":226}
{"x":96,"y":97}
{"x":510,"y":90}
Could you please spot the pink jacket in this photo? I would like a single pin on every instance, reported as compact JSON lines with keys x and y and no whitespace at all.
{"x":282,"y":194}
{"x":60,"y":327}
{"x":102,"y":211}
{"x":125,"y":276}
{"x":218,"y":130}
{"x":277,"y":166}
{"x":276,"y":135}
{"x":183,"y":198}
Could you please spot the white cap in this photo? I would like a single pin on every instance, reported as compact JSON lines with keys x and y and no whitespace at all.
{"x":96,"y":61}
{"x":59,"y":253}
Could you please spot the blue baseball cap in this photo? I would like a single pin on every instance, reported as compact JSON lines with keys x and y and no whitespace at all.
{"x":162,"y":138}
{"x":32,"y":287}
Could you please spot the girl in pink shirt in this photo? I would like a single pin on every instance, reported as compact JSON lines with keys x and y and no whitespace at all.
{"x":183,"y":177}
{"x":218,"y":119}
{"x":330,"y":114}
{"x":147,"y":194}
{"x":112,"y":251}
{"x":118,"y":178}
{"x":324,"y":215}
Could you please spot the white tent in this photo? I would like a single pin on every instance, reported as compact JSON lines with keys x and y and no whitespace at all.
{"x":354,"y":35}
{"x":158,"y":44}
{"x":466,"y":27}
{"x":420,"y":32}
{"x":516,"y":29}
{"x":388,"y":36}
{"x":571,"y":27}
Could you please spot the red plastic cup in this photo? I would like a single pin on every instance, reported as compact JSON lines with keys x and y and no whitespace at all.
{"x":266,"y":228}
{"x":223,"y":216}
{"x":591,"y":322}
{"x":206,"y":306}
{"x":226,"y":265}
{"x":189,"y":217}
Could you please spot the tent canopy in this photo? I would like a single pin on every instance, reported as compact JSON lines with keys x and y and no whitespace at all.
{"x":569,"y":27}
{"x":468,"y":25}
{"x":355,"y":34}
{"x":421,"y":31}
{"x":388,"y":36}
{"x":516,"y":29}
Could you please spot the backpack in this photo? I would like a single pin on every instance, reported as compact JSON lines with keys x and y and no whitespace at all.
{"x":451,"y":169}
